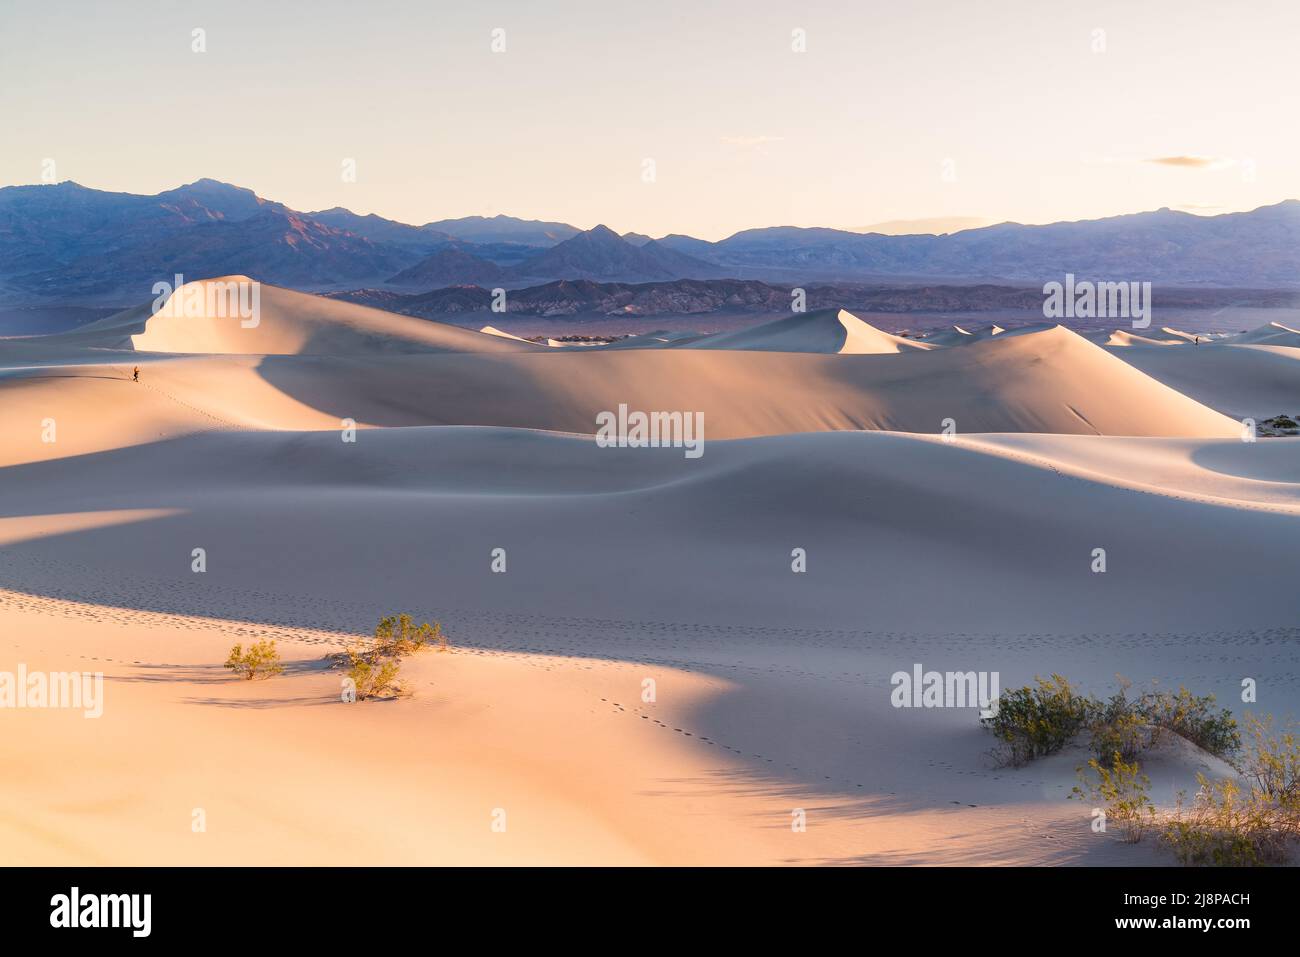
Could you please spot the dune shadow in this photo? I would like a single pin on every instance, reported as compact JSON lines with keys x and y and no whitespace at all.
{"x":211,"y":674}
{"x":261,"y":704}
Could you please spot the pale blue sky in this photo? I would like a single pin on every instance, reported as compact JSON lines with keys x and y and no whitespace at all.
{"x":743,"y":131}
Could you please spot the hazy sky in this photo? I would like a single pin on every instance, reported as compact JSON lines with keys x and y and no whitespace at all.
{"x":899,"y":110}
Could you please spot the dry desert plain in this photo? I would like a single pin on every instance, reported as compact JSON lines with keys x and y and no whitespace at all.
{"x":771,"y":688}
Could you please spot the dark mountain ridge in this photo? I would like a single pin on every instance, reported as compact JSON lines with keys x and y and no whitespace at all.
{"x":75,"y":245}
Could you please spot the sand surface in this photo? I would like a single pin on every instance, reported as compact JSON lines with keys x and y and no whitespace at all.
{"x":771,"y":688}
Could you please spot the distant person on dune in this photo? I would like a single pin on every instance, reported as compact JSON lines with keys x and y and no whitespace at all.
{"x":135,"y":375}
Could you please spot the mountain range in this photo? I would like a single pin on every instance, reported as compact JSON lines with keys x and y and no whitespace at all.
{"x":70,"y":243}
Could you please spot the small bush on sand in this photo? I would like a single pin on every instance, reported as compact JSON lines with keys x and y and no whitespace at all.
{"x":399,"y":635}
{"x":375,"y":679}
{"x":1130,"y":726}
{"x":1115,"y":728}
{"x":1035,"y":721}
{"x":1272,"y":762}
{"x":1222,"y":827}
{"x":1228,"y":825}
{"x":1126,"y":735}
{"x":1192,"y":717}
{"x":1120,"y":788}
{"x":259,"y":661}
{"x":374,"y":666}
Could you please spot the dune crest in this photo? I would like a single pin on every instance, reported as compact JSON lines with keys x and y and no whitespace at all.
{"x":959,"y":336}
{"x":1269,"y":334}
{"x":287,"y":323}
{"x":1165,"y":336}
{"x":834,"y":331}
{"x":494,"y":331}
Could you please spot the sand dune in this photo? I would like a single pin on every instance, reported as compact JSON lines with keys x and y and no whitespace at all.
{"x":985,"y":332}
{"x":960,"y":336}
{"x":1121,"y":337}
{"x":1049,"y":381}
{"x":624,"y":565}
{"x":1164,"y":336}
{"x":551,"y":674}
{"x":1269,"y":334}
{"x":834,"y":331}
{"x":289,"y":323}
{"x":1238,"y":380}
{"x":494,"y":331}
{"x":956,"y":336}
{"x":657,"y":339}
{"x":1177,"y":334}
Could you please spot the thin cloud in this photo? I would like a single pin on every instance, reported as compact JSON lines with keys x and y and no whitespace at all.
{"x":1193,"y":162}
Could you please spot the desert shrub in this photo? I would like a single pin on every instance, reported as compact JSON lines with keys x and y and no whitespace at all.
{"x":1272,"y":763}
{"x":1034,"y":721}
{"x":374,"y":666}
{"x":1192,"y":717}
{"x":1126,"y":735}
{"x":1040,"y":719}
{"x":399,"y":635}
{"x":1228,"y":825}
{"x":1115,"y":728}
{"x":261,"y":660}
{"x":1127,"y":727}
{"x":375,"y":679}
{"x":1121,"y":788}
{"x":1224,"y":826}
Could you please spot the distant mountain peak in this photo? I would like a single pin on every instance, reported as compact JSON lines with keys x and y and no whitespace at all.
{"x":448,"y":265}
{"x":601,"y":253}
{"x":206,"y":185}
{"x":503,"y":229}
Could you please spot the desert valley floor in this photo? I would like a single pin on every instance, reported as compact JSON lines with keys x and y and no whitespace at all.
{"x":772,"y":689}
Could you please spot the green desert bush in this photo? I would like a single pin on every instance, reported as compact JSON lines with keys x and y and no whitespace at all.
{"x":1249,"y":821}
{"x":1120,"y":787}
{"x":1223,"y":826}
{"x":1038,"y":719}
{"x":1227,"y":824}
{"x":1125,"y":734}
{"x":1128,"y":727}
{"x":375,"y":679}
{"x":1192,"y":717}
{"x":1272,"y":763}
{"x":261,"y":660}
{"x":1115,"y":728}
{"x":399,"y":635}
{"x":374,"y":666}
